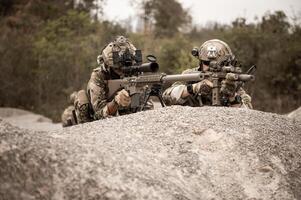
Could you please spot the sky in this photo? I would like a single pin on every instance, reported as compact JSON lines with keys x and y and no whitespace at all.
{"x":204,"y":12}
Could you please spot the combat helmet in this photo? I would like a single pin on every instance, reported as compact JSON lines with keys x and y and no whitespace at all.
{"x":213,"y":50}
{"x":119,"y":52}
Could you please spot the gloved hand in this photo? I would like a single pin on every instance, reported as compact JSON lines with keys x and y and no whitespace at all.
{"x":123,"y":98}
{"x":203,"y":87}
{"x":246,"y":100}
{"x":228,"y":87}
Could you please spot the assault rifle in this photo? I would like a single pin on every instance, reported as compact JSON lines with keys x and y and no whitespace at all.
{"x":151,"y":84}
{"x":220,"y":72}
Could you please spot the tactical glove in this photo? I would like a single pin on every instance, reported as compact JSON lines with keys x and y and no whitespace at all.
{"x":247,"y":100}
{"x":228,"y":87}
{"x":123,"y":98}
{"x":203,"y":87}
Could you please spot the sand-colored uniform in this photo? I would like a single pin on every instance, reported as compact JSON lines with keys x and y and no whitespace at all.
{"x":97,"y":92}
{"x":172,"y":95}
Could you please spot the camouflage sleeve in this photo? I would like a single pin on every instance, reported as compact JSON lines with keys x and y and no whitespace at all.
{"x":172,"y":95}
{"x":97,"y":90}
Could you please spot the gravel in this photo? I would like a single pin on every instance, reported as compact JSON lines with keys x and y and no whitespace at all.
{"x":169,"y":153}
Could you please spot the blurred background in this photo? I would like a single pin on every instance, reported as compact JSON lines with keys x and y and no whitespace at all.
{"x":48,"y":48}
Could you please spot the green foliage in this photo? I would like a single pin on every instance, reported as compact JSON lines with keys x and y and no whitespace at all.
{"x":44,"y":59}
{"x":64,"y":54}
{"x":174,"y":55}
{"x":168,"y":16}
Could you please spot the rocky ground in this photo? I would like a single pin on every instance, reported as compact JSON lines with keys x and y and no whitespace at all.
{"x":168,"y":153}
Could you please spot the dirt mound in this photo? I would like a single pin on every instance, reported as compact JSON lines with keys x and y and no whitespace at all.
{"x":168,"y":153}
{"x":11,"y":112}
{"x":296,"y":114}
{"x":27,"y":120}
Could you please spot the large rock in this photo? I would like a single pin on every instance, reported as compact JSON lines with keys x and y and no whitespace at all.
{"x":168,"y":153}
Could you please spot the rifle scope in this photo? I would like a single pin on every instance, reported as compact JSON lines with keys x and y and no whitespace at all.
{"x":145,"y":67}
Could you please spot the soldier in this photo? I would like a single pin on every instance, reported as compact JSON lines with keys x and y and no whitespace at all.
{"x":200,"y":93}
{"x":94,"y":104}
{"x":68,"y":116}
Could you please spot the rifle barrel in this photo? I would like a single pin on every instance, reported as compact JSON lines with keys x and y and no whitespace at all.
{"x":183,"y":77}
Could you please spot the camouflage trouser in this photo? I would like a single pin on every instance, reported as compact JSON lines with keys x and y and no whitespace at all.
{"x":68,"y":117}
{"x":82,"y":107}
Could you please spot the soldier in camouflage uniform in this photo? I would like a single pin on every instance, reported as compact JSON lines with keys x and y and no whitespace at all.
{"x":68,"y":116}
{"x":94,"y":104}
{"x":187,"y":93}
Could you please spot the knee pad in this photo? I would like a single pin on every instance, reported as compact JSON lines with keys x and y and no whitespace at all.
{"x":82,"y":107}
{"x":82,"y":98}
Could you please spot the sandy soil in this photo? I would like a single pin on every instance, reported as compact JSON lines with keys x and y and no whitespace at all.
{"x":28,"y":120}
{"x":167,"y":153}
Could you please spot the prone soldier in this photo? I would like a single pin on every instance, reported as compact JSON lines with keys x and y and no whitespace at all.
{"x":214,"y":55}
{"x":95,"y":103}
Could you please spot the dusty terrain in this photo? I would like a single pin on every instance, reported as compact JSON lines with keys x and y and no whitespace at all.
{"x":168,"y":153}
{"x":27,"y":120}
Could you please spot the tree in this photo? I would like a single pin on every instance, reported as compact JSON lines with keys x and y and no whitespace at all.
{"x":27,"y":79}
{"x":168,"y":16}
